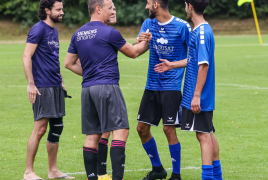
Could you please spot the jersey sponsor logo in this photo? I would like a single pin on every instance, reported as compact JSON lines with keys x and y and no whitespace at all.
{"x":53,"y":44}
{"x":162,"y":41}
{"x":84,"y":35}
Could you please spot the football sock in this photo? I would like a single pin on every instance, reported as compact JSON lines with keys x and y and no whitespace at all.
{"x":102,"y":156}
{"x":90,"y":160}
{"x":207,"y":172}
{"x":217,"y":173}
{"x":151,"y":149}
{"x":175,"y":153}
{"x":117,"y":153}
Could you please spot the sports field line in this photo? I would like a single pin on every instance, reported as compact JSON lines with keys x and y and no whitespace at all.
{"x":122,"y":87}
{"x":135,"y":170}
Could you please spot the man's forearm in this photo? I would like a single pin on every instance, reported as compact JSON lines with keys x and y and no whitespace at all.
{"x":76,"y":68}
{"x":179,"y":64}
{"x":201,"y":79}
{"x":27,"y":65}
{"x":141,"y":48}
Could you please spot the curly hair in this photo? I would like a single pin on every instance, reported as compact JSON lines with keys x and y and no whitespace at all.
{"x":46,"y":4}
{"x":199,"y":5}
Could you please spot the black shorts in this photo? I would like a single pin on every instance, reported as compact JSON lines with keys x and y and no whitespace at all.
{"x":50,"y":104}
{"x":160,"y":104}
{"x":103,"y":109}
{"x":201,"y":122}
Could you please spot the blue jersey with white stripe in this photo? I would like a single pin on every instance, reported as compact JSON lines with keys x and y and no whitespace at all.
{"x":170,"y":41}
{"x":201,"y":50}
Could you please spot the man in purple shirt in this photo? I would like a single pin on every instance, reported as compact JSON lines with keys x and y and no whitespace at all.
{"x":96,"y":44}
{"x":45,"y":86}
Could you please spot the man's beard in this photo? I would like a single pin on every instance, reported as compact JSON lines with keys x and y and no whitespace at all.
{"x":152,"y":14}
{"x":55,"y":19}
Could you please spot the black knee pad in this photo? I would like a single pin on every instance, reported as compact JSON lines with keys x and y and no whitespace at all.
{"x":56,"y":127}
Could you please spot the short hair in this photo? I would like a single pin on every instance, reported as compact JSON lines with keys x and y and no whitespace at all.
{"x":92,"y":4}
{"x":163,"y":3}
{"x":199,"y":5}
{"x":46,"y":4}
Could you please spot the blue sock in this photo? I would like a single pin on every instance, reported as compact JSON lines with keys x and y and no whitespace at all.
{"x":207,"y":172}
{"x":151,"y":150}
{"x":175,"y":153}
{"x":217,"y":173}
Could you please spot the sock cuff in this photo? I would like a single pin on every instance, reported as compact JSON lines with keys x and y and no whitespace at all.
{"x":149,"y":144}
{"x":207,"y":167}
{"x":94,"y":150}
{"x":103,"y":141}
{"x":117,"y":143}
{"x":175,"y":147}
{"x":217,"y":162}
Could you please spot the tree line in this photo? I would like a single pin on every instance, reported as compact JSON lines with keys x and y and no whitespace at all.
{"x":129,"y":12}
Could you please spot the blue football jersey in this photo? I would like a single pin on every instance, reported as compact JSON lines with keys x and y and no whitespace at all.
{"x":201,"y":50}
{"x":170,"y":40}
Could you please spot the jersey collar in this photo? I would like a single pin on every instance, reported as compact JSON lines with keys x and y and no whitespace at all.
{"x":200,"y":25}
{"x":165,"y":23}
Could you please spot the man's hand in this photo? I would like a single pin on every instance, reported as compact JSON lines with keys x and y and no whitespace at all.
{"x":147,"y":36}
{"x":164,"y":66}
{"x":32,"y":92}
{"x":195,"y":105}
{"x":63,"y":86}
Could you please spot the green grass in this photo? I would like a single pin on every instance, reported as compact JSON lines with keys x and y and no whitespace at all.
{"x":240,"y":118}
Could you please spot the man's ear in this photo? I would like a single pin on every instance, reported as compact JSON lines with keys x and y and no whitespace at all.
{"x":191,"y":7}
{"x":47,"y":11}
{"x":98,"y":9}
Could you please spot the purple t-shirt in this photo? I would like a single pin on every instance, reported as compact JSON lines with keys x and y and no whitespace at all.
{"x":97,"y":46}
{"x":45,"y":60}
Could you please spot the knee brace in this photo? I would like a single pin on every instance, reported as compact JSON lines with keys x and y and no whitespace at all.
{"x":56,"y":127}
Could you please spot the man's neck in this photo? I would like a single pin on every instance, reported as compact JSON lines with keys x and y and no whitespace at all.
{"x":163,"y":16}
{"x":96,"y":18}
{"x":49,"y":22}
{"x":197,"y":20}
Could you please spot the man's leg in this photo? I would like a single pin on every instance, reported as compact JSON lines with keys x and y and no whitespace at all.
{"x":175,"y":151}
{"x":56,"y":127}
{"x":150,"y":147}
{"x":217,"y":173}
{"x":90,"y":152}
{"x":117,"y":153}
{"x":102,"y":154}
{"x":205,"y":141}
{"x":39,"y":130}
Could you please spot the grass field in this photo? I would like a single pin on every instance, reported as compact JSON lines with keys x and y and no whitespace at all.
{"x":240,"y":118}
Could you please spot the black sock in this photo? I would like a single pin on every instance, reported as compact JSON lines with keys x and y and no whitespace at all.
{"x":117,"y":153}
{"x":158,"y":169}
{"x":102,"y":156}
{"x":90,"y":160}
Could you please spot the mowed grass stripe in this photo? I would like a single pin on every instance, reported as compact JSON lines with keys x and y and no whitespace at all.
{"x":240,"y":117}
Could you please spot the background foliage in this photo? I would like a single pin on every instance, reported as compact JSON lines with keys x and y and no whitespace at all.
{"x":129,"y":12}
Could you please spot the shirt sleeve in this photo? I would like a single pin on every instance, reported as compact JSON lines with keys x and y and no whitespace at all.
{"x":185,"y":35}
{"x":203,"y":48}
{"x":72,"y":49}
{"x":144,"y":27}
{"x":116,"y":39}
{"x":35,"y":35}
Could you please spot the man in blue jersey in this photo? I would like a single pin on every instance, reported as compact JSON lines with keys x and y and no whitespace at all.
{"x":45,"y":86}
{"x":198,"y":99}
{"x":96,"y":44}
{"x":162,"y":95}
